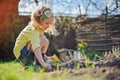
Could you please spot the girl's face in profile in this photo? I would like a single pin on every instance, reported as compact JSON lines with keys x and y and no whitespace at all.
{"x":46,"y":23}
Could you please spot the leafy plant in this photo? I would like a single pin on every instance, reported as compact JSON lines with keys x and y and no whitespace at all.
{"x":82,"y":46}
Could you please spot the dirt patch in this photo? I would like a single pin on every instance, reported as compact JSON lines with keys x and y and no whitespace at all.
{"x":107,"y":68}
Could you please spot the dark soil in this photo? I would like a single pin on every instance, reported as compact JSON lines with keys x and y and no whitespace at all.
{"x":107,"y":67}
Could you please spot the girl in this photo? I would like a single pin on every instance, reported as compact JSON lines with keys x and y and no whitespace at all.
{"x":31,"y":43}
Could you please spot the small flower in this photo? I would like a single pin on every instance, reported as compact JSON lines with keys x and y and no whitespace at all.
{"x":80,"y":45}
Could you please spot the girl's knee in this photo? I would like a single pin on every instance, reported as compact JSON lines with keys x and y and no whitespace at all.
{"x":44,"y":41}
{"x":47,"y":42}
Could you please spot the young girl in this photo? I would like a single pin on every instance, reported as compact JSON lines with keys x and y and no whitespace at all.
{"x":31,"y":43}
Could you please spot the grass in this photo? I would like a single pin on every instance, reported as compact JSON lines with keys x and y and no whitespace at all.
{"x":14,"y":71}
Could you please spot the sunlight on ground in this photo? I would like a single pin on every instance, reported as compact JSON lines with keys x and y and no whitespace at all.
{"x":14,"y":71}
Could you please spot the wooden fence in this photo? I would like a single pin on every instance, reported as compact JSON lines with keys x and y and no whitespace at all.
{"x":100,"y":33}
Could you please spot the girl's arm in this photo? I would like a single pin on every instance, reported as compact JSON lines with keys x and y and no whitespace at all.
{"x":38,"y":55}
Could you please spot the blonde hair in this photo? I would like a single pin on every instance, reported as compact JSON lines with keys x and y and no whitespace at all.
{"x":36,"y":19}
{"x":52,"y":29}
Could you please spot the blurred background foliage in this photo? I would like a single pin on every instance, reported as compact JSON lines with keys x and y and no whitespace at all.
{"x":11,"y":24}
{"x":66,"y":30}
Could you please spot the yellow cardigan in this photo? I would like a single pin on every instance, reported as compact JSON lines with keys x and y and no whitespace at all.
{"x":28,"y":34}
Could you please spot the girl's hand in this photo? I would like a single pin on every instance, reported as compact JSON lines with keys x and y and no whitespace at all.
{"x":47,"y":66}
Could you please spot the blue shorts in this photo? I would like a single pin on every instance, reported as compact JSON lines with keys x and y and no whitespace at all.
{"x":27,"y":57}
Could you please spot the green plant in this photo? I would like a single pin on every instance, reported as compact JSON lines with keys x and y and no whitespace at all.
{"x":87,"y":61}
{"x":82,"y":46}
{"x":93,"y":55}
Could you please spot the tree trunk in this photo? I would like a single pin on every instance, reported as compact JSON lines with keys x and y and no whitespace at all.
{"x":7,"y":7}
{"x":8,"y":15}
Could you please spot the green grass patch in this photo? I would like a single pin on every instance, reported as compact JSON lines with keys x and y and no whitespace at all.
{"x":15,"y":71}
